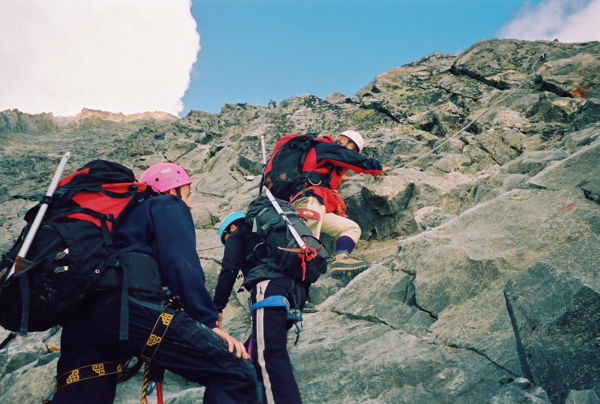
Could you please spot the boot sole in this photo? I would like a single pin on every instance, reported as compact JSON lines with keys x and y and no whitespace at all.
{"x":347,"y":273}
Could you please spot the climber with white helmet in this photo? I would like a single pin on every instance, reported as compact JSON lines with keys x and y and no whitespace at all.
{"x":171,"y":325}
{"x":321,"y":205}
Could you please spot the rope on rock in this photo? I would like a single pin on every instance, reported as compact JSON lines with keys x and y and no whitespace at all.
{"x":542,"y":57}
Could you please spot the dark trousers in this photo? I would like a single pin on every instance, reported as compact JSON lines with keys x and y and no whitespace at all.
{"x":269,"y":343}
{"x":188,"y":349}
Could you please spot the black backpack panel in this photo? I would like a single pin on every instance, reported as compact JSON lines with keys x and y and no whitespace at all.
{"x":270,"y":226}
{"x":283,"y":173}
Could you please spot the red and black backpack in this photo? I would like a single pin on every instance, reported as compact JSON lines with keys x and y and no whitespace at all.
{"x":283,"y":173}
{"x":72,"y":248}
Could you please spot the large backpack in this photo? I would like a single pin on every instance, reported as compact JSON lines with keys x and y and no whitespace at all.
{"x":72,"y":248}
{"x":279,"y":251}
{"x":283,"y":173}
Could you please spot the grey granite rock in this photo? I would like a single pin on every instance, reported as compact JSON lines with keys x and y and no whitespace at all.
{"x":445,"y":231}
{"x":520,"y":391}
{"x":556,"y":319}
{"x":21,"y":352}
{"x":582,"y":397}
{"x":574,"y":171}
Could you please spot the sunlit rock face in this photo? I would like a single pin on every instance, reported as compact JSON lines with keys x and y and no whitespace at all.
{"x":485,"y":241}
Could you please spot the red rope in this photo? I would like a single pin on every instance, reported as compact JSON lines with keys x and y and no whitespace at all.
{"x":159,"y":393}
{"x":303,"y":259}
{"x":307,"y":255}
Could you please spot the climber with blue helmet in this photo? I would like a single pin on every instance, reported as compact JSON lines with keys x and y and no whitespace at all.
{"x":229,"y":225}
{"x":275,"y":297}
{"x":178,"y":304}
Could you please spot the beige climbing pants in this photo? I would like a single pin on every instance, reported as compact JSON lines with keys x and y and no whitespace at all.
{"x":330,"y":223}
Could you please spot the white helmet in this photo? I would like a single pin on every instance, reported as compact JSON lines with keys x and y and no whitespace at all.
{"x":355,"y":137}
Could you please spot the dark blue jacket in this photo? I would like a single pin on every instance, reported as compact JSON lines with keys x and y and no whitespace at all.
{"x":239,"y":246}
{"x":168,"y":221}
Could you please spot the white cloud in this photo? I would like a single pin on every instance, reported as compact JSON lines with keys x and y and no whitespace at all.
{"x":114,"y":55}
{"x":566,"y":20}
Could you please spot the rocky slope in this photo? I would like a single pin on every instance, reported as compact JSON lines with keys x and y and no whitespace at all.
{"x":485,"y":244}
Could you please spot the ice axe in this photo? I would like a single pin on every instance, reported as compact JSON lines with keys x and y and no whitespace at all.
{"x":21,"y":263}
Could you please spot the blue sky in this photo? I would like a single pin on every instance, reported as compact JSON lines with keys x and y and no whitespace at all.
{"x":256,"y":50}
{"x":134,"y":56}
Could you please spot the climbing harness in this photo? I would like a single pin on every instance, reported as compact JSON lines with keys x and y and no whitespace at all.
{"x":124,"y":372}
{"x":279,"y":301}
{"x":88,"y":372}
{"x":294,"y":315}
{"x":542,"y":57}
{"x":127,"y":371}
{"x":160,"y":329}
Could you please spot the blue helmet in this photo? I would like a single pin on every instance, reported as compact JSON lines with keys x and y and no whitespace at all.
{"x":228,"y":221}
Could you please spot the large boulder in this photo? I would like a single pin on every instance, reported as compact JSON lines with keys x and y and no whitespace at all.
{"x":556,"y":318}
{"x":579,"y":168}
{"x":30,"y":383}
{"x":340,"y":359}
{"x":462,"y":266}
{"x":572,"y":77}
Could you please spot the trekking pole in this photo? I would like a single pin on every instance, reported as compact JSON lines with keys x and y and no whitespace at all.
{"x":41,"y":212}
{"x":264,"y":154}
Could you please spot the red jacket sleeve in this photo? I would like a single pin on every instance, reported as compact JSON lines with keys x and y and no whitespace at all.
{"x":341,"y":156}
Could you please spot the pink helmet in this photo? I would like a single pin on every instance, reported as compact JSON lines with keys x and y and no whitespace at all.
{"x":165,"y":176}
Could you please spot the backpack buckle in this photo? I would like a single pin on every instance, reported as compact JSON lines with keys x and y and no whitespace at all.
{"x":7,"y":259}
{"x":110,"y":216}
{"x":61,"y":254}
{"x":59,"y":193}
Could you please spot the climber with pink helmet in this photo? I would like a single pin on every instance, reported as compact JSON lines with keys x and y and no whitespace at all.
{"x":169,"y":178}
{"x":165,"y":278}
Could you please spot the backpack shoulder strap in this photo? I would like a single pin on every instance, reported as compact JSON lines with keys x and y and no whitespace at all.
{"x":124,"y":319}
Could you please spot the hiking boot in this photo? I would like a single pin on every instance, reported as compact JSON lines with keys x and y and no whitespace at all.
{"x":309,"y":308}
{"x":347,"y":267}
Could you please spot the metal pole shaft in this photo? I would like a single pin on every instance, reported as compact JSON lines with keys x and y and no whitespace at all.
{"x":264,"y":150}
{"x":264,"y":156}
{"x":295,"y":234}
{"x":41,"y":212}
